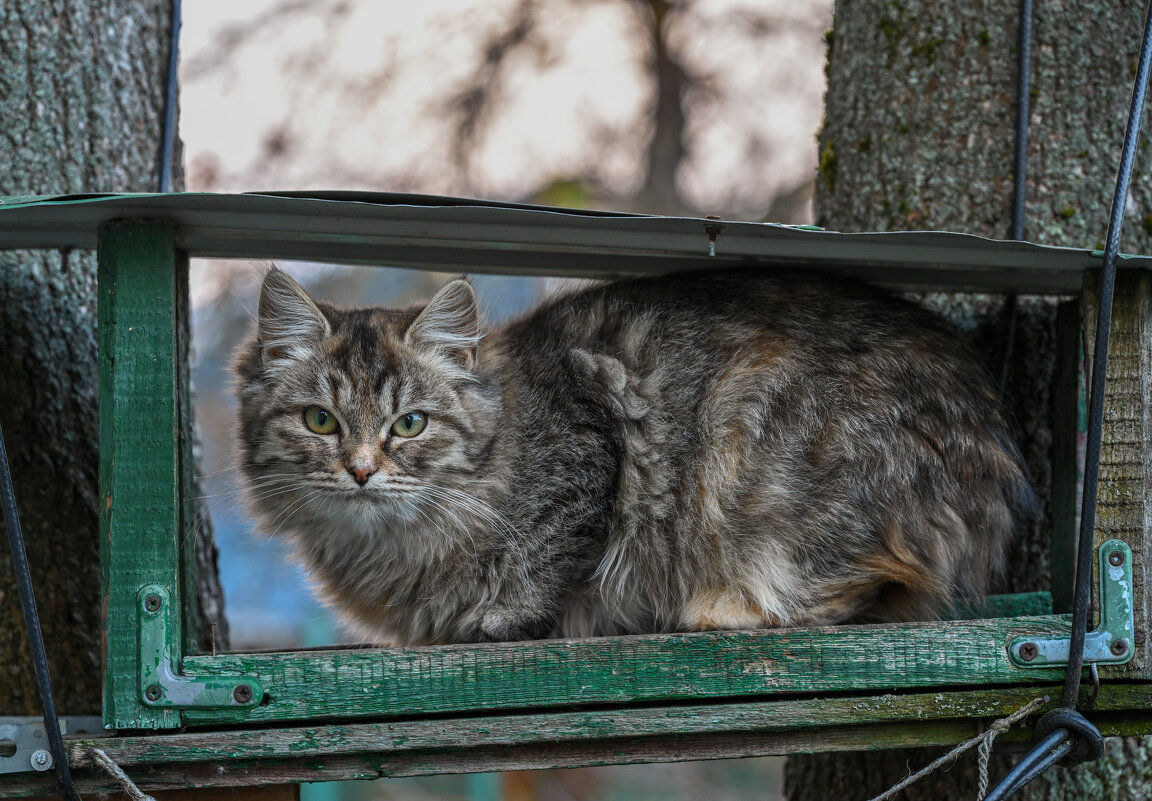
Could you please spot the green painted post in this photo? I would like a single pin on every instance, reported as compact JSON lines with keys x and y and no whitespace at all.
{"x":139,"y":452}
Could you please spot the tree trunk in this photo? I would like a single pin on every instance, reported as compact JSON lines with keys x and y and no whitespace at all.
{"x":82,"y":98}
{"x":919,"y":134}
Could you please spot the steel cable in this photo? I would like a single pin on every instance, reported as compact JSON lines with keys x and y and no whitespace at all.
{"x":32,"y":625}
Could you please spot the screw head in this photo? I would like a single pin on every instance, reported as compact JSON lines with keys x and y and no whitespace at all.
{"x":1116,"y":558}
{"x":153,"y":692}
{"x":1118,"y":647}
{"x":41,"y":760}
{"x":152,"y":603}
{"x":1140,"y":637}
{"x":1029,"y":651}
{"x":242,"y":693}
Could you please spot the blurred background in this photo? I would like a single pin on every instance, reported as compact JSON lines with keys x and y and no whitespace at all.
{"x":689,"y":107}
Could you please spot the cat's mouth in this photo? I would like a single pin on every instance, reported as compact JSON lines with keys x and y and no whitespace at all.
{"x":376,"y":504}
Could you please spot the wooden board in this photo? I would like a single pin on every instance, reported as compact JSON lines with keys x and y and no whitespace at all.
{"x":351,"y":684}
{"x":139,"y":450}
{"x":587,"y":738}
{"x":1124,"y":497}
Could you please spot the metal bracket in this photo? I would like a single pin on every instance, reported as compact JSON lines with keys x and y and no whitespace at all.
{"x":24,"y":743}
{"x":161,"y":685}
{"x":1112,"y":641}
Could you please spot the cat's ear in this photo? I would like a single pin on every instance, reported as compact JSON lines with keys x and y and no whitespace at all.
{"x":290,"y":325}
{"x":449,"y":324}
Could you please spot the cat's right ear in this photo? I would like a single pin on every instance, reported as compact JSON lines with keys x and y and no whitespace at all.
{"x":449,"y":325}
{"x":290,"y":326}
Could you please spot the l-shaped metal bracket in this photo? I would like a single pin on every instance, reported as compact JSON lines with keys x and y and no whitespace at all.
{"x":1112,"y":641}
{"x":161,"y":683}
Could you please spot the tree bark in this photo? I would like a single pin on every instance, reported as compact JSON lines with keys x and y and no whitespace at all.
{"x":82,"y":88}
{"x":918,"y":135}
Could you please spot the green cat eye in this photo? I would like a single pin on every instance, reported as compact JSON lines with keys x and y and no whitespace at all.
{"x":320,"y":420}
{"x":409,"y":425}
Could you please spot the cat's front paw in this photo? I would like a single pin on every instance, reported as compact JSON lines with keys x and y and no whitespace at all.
{"x":506,"y":625}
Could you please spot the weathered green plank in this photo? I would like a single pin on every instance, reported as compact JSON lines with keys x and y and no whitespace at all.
{"x":139,"y":439}
{"x":520,"y":729}
{"x":566,"y":673}
{"x":483,"y":759}
{"x":606,"y":736}
{"x":1124,"y":496}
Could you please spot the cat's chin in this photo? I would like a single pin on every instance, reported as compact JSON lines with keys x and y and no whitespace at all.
{"x":371,"y":512}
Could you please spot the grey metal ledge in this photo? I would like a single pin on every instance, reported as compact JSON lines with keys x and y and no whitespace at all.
{"x":462,"y":235}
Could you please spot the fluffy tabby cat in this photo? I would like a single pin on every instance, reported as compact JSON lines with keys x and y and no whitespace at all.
{"x":708,"y":450}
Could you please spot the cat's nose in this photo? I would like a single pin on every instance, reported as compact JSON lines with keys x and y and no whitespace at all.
{"x":361,"y":473}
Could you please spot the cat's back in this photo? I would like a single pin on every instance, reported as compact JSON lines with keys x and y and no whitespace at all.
{"x":791,"y":447}
{"x":685,"y":322}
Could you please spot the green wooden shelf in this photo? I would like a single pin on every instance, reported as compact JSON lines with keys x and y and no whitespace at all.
{"x":183,"y":719}
{"x":599,"y":736}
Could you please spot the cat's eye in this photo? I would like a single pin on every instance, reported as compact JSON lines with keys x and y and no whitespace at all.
{"x":320,"y":420}
{"x":410,"y":424}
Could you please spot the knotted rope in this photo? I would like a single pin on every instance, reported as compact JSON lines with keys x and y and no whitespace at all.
{"x":983,"y":740}
{"x":116,"y":772}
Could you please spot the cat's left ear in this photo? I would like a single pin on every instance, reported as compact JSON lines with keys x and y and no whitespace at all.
{"x":290,"y":325}
{"x":449,"y":324}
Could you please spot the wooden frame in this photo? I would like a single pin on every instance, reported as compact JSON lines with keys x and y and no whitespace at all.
{"x":360,"y":713}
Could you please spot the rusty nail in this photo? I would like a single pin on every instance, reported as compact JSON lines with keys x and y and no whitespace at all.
{"x":1116,"y":558}
{"x":1029,"y":651}
{"x":1119,"y":647}
{"x":242,"y":693}
{"x":1140,"y":637}
{"x":153,"y":692}
{"x":713,"y":232}
{"x":152,"y":603}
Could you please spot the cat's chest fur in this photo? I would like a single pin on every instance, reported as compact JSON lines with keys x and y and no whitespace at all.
{"x":700,"y":451}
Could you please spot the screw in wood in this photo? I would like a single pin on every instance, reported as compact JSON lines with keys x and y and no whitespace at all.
{"x":153,"y":692}
{"x":242,"y":693}
{"x":1116,"y":558}
{"x":152,"y":603}
{"x":1029,"y":651}
{"x":1119,"y":647}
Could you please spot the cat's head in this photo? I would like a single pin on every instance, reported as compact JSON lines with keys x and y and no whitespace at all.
{"x":356,"y":417}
